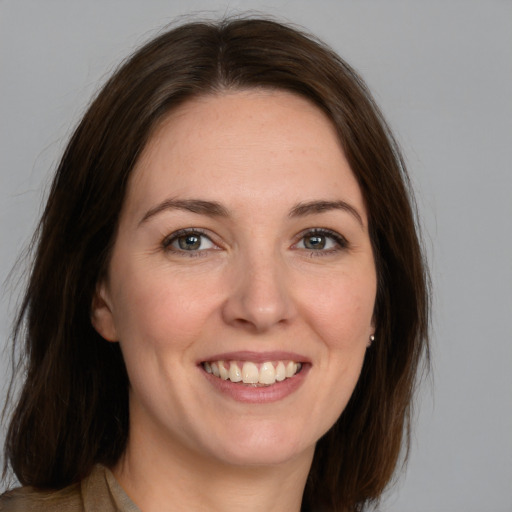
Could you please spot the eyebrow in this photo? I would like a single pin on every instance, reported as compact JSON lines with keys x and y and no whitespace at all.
{"x":198,"y":206}
{"x":315,"y":207}
{"x":215,"y":209}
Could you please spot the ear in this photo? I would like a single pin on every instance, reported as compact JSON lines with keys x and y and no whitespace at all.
{"x":102,"y":317}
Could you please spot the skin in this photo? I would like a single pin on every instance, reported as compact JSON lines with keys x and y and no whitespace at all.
{"x":253,"y":284}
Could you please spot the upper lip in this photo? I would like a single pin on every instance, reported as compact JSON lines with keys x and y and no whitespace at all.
{"x":257,"y":357}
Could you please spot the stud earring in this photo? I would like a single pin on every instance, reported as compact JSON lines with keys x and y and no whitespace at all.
{"x":370,"y":341}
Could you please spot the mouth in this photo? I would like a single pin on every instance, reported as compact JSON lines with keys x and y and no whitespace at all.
{"x":253,"y":373}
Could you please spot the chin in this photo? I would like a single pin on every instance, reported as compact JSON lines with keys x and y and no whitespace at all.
{"x":264,"y":445}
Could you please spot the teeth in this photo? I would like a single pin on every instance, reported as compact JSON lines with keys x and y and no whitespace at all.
{"x":280,"y":371}
{"x":291,"y":368}
{"x":268,"y":372}
{"x":235,"y":375}
{"x":224,"y":375}
{"x":250,"y":374}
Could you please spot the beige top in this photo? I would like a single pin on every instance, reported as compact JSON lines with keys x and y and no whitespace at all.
{"x":98,"y":492}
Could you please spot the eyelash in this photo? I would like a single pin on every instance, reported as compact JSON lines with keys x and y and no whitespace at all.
{"x":173,"y":237}
{"x":339,"y":240}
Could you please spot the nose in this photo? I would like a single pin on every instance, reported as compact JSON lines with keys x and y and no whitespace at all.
{"x":259,"y":296}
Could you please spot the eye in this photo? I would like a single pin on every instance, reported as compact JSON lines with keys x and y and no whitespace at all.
{"x":321,"y":240}
{"x":188,"y":240}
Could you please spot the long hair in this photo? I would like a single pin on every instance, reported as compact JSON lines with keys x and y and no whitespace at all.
{"x":73,"y":408}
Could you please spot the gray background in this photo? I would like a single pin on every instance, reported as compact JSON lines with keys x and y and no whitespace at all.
{"x":442,"y":72}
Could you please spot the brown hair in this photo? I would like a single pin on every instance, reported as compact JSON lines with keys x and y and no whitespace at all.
{"x":73,"y":408}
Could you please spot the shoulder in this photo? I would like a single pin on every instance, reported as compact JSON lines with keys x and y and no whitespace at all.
{"x":97,"y":492}
{"x":28,"y":499}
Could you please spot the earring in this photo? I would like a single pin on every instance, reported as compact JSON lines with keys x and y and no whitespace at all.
{"x":370,"y":341}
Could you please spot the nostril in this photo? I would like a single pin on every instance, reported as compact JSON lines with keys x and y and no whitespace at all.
{"x":258,"y":296}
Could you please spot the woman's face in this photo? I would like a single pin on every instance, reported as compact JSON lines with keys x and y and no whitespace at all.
{"x":242,"y":250}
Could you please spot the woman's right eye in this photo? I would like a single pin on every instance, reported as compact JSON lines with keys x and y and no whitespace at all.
{"x":191,"y":241}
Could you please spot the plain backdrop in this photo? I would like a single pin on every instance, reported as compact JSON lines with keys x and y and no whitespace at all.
{"x":442,"y":73}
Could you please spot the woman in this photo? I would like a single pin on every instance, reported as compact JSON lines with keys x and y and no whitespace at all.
{"x":228,"y":305}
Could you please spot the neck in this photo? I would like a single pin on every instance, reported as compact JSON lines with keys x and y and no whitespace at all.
{"x":156,"y":481}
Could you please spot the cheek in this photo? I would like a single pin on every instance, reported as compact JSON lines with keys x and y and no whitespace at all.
{"x":339,"y":314}
{"x":161,"y":307}
{"x":341,"y":308}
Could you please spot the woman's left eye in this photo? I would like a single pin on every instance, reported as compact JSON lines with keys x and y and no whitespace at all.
{"x":321,"y":240}
{"x":188,"y":241}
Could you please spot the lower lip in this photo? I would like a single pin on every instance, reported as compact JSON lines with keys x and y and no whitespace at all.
{"x":258,"y":395}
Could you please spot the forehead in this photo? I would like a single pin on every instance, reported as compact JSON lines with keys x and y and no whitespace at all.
{"x":234,"y":144}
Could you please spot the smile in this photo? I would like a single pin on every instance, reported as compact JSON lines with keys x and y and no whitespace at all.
{"x":256,"y":374}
